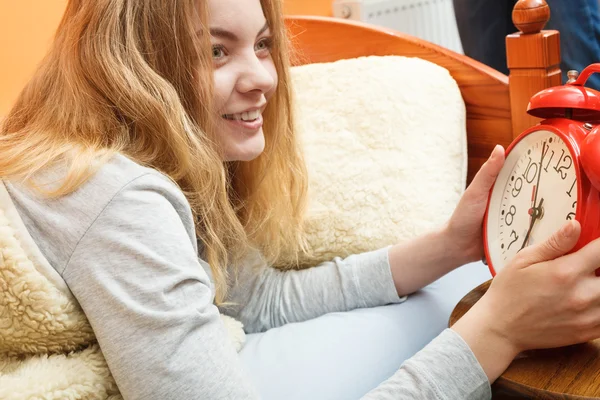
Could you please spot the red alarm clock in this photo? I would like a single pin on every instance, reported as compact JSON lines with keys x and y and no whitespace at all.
{"x":551,"y":174}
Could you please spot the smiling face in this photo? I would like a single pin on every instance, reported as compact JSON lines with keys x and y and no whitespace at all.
{"x":244,"y":75}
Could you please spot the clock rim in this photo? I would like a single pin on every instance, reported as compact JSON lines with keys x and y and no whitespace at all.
{"x":572,"y":146}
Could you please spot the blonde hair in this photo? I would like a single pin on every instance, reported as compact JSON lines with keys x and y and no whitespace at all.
{"x":135,"y":77}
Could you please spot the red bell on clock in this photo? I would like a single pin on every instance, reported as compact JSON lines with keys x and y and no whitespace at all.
{"x":551,"y":173}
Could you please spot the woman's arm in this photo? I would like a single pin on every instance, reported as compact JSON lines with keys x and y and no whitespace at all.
{"x":418,"y":262}
{"x":446,"y":369}
{"x":265,"y":297}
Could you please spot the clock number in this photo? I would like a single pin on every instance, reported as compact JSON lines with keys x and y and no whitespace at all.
{"x":549,"y":161}
{"x":572,"y":186}
{"x":568,"y":162}
{"x":559,"y":159}
{"x":571,"y":215}
{"x":517,"y":188}
{"x":516,"y":237}
{"x":511,"y":213}
{"x":527,"y":175}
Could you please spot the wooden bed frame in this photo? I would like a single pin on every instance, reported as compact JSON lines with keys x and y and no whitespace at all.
{"x":496,"y":104}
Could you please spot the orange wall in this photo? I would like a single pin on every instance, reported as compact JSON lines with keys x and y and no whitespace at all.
{"x":308,"y":7}
{"x":27,"y":27}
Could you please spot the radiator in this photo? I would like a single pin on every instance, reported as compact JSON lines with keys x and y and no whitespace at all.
{"x":431,"y":20}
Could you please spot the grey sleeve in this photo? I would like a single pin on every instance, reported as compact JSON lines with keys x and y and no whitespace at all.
{"x":265,"y":297}
{"x":446,"y":369}
{"x":136,"y":275}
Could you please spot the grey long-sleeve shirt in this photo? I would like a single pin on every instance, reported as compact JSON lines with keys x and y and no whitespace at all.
{"x":125,"y":245}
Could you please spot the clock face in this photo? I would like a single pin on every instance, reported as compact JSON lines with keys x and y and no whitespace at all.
{"x":534,"y":195}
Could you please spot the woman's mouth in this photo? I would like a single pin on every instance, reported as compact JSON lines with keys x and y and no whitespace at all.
{"x":248,"y":120}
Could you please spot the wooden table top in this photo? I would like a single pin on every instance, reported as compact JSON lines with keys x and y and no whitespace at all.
{"x":571,"y":372}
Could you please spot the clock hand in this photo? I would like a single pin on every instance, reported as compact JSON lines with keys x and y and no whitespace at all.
{"x":539,"y":174}
{"x":536,"y":212}
{"x":530,"y":211}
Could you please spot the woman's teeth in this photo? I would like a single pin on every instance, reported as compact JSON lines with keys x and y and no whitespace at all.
{"x":245,"y":116}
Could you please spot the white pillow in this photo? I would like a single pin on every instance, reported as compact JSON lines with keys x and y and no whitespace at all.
{"x":385,"y":144}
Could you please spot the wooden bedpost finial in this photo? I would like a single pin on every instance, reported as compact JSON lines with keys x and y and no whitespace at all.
{"x":533,"y":58}
{"x":530,"y":16}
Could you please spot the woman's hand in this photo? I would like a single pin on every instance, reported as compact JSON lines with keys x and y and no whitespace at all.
{"x":541,"y":299}
{"x":418,"y":262}
{"x":465,"y":227}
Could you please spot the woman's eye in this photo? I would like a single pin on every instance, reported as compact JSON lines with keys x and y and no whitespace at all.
{"x":264,"y":44}
{"x":218,"y":52}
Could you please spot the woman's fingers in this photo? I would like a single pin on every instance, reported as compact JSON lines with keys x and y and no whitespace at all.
{"x":587,"y":259}
{"x":487,"y":174}
{"x":558,"y":244}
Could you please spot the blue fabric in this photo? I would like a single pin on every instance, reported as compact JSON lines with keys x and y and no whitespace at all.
{"x":345,"y":355}
{"x":483,"y":26}
{"x":579,"y":25}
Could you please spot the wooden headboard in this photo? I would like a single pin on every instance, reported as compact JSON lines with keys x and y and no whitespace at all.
{"x":496,"y":104}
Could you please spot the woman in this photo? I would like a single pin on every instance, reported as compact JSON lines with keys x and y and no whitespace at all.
{"x":134,"y":141}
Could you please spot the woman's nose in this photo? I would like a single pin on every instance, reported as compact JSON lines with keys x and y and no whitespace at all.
{"x":257,"y":76}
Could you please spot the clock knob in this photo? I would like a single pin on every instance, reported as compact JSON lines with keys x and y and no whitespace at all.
{"x":530,"y":16}
{"x":590,"y":156}
{"x":572,"y":75}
